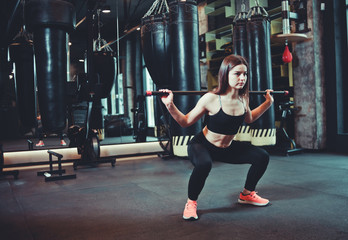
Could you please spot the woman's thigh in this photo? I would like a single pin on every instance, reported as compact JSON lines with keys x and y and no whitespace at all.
{"x":242,"y":152}
{"x":199,"y":155}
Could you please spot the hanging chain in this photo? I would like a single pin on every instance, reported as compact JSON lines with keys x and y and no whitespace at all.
{"x":157,"y":7}
{"x":97,"y":44}
{"x":99,"y":26}
{"x":258,"y":10}
{"x":243,"y":6}
{"x":149,"y":12}
{"x":23,"y":32}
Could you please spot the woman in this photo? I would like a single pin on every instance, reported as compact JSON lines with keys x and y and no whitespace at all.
{"x":226,"y":108}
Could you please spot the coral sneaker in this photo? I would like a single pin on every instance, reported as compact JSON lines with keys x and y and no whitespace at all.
{"x":190,"y":211}
{"x":62,"y":143}
{"x":252,"y":199}
{"x":40,"y":144}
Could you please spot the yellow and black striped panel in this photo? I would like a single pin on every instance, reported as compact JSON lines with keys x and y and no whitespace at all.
{"x":243,"y":134}
{"x":180,"y":145}
{"x":263,"y":137}
{"x":257,"y":137}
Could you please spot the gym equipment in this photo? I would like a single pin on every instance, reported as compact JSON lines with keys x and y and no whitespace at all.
{"x":30,"y":144}
{"x":86,"y":140}
{"x":287,"y":36}
{"x":6,"y":23}
{"x":88,"y":146}
{"x":60,"y":171}
{"x":14,"y":173}
{"x":155,"y":42}
{"x":50,"y":22}
{"x":299,"y":15}
{"x":184,"y":43}
{"x":104,"y":63}
{"x":262,"y":131}
{"x":96,"y":84}
{"x":287,"y":56}
{"x":159,"y":93}
{"x":285,"y":145}
{"x":164,"y":133}
{"x":22,"y":55}
{"x":140,"y":123}
{"x":104,"y":70}
{"x":239,"y":38}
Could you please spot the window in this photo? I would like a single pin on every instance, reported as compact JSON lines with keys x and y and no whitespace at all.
{"x":149,"y":86}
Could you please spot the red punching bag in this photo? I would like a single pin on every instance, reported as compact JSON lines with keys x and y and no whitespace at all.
{"x":287,"y":56}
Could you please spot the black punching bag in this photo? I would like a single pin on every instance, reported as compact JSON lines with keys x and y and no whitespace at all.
{"x":155,"y":45}
{"x":49,"y":21}
{"x":184,"y":41}
{"x":260,"y":74}
{"x":239,"y":38}
{"x":22,"y":55}
{"x":240,"y":47}
{"x":105,"y":66}
{"x":155,"y":42}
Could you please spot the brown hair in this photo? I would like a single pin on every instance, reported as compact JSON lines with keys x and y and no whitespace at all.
{"x":227,"y":64}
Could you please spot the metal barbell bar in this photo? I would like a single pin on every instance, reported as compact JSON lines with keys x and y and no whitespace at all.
{"x":159,"y":93}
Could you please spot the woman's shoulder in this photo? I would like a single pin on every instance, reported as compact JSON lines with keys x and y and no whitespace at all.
{"x":209,"y":98}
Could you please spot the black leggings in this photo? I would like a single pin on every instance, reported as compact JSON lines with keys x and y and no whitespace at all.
{"x":202,"y":153}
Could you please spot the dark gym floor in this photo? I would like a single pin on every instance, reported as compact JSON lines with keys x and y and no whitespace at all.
{"x":143,"y":198}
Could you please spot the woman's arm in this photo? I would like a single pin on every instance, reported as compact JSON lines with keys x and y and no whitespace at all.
{"x":253,"y":115}
{"x":190,"y":118}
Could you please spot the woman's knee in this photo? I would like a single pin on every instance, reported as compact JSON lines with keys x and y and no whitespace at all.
{"x":200,"y":158}
{"x":204,"y":166}
{"x":263,"y":157}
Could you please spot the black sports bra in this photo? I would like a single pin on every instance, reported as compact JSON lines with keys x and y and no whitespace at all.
{"x":223,"y":123}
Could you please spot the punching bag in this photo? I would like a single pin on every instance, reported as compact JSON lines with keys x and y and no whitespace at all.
{"x":239,"y":38}
{"x":240,"y":47}
{"x":50,"y":21}
{"x":22,"y":55}
{"x":155,"y":42}
{"x":263,"y":132}
{"x":184,"y":41}
{"x":105,"y":66}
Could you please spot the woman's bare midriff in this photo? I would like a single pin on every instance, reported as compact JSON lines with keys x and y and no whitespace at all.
{"x":217,"y":139}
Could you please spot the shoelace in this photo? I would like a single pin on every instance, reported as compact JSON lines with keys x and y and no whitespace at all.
{"x":254,"y":195}
{"x":191,"y":205}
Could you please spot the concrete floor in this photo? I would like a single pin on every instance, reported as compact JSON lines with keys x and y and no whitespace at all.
{"x":143,"y":198}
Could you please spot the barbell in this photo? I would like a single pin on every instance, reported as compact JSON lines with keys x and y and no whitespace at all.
{"x":159,"y":93}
